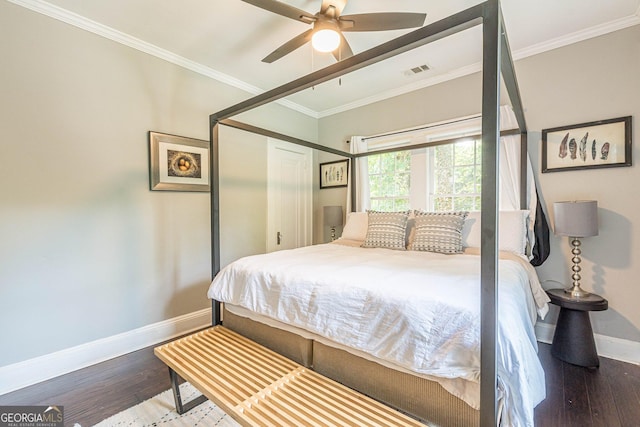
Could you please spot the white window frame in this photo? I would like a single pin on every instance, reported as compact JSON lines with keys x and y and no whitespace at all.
{"x":422,"y":183}
{"x":393,"y":197}
{"x":431,"y":173}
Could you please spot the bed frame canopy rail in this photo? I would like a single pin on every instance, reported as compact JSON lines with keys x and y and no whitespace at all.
{"x":215,"y":185}
{"x":496,"y":62}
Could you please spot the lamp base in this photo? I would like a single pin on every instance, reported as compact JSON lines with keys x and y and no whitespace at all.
{"x":576,"y":292}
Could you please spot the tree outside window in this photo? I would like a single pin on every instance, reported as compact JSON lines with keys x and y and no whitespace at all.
{"x":457,"y":176}
{"x":454,"y":173}
{"x":390,"y":181}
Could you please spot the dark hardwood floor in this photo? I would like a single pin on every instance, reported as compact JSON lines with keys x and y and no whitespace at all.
{"x":604,"y":397}
{"x":94,"y":393}
{"x":576,"y":397}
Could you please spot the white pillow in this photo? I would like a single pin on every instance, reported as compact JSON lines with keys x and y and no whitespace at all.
{"x":512,"y":235}
{"x":356,"y":226}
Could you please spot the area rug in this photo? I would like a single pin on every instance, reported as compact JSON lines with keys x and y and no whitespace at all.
{"x":160,"y":411}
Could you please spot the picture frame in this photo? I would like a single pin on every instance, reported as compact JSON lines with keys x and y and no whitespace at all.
{"x":178,"y":163}
{"x":600,"y":144}
{"x":334,"y":174}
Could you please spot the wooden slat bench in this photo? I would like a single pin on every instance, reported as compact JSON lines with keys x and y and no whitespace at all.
{"x":258,"y":387}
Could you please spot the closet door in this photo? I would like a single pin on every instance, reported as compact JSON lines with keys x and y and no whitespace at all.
{"x":289,"y":206}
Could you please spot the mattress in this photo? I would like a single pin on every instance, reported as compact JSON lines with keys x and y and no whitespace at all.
{"x":414,"y":311}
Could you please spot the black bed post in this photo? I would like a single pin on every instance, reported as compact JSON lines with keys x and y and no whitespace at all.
{"x":215,"y":211}
{"x":496,"y":59}
{"x":491,"y":57}
{"x":524,"y":164}
{"x":354,"y":169}
{"x":511,"y":84}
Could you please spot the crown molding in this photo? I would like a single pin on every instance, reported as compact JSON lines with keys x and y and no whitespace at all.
{"x":102,"y":30}
{"x":84,"y":23}
{"x":440,"y":78}
{"x":578,"y":36}
{"x":536,"y":49}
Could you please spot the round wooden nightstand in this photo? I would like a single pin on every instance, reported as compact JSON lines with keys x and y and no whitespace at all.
{"x":573,"y":340}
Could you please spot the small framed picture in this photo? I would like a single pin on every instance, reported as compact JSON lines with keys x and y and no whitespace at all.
{"x":602,"y":144}
{"x":177,"y":163}
{"x":334,"y":174}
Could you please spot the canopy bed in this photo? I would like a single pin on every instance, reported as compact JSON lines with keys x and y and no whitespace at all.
{"x":334,"y":360}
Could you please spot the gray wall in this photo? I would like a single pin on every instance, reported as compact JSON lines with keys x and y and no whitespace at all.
{"x":243,"y":194}
{"x":327,"y":197}
{"x":593,"y":80}
{"x":87,"y":251}
{"x":432,"y":104}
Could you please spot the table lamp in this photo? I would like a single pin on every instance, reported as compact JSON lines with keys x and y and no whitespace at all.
{"x":576,"y":219}
{"x":333,"y":218}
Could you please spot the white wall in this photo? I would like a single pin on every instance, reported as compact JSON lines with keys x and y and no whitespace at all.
{"x":87,"y":251}
{"x":592,"y":80}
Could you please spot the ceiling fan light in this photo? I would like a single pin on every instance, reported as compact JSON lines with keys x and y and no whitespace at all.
{"x":325,"y":40}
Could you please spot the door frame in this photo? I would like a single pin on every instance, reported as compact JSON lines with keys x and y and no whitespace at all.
{"x":274,"y":144}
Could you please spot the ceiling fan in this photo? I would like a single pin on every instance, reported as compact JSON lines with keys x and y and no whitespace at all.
{"x":329,"y":24}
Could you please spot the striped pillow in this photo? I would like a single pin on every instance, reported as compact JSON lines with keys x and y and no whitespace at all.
{"x":386,"y":230}
{"x":439,"y":232}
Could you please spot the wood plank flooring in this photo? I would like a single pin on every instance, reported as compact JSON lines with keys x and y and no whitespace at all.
{"x":576,"y":397}
{"x":604,"y":397}
{"x":94,"y":393}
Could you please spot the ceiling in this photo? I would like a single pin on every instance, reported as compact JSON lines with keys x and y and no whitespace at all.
{"x":226,"y":40}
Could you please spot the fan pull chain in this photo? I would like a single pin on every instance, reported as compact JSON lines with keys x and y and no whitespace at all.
{"x":340,"y":59}
{"x":312,"y":67}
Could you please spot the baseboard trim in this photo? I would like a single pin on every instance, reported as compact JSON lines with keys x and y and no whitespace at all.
{"x":611,"y":347}
{"x":38,"y":369}
{"x":32,"y":371}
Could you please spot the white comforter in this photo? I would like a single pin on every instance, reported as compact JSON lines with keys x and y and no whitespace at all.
{"x":416,"y":310}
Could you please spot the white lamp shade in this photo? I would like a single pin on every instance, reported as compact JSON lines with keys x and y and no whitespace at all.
{"x":576,"y":218}
{"x":332,"y":216}
{"x":325,"y":40}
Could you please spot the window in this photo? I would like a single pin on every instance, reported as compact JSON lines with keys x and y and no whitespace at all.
{"x":390,"y":181}
{"x":456,"y":174}
{"x":452,"y":173}
{"x":441,"y":177}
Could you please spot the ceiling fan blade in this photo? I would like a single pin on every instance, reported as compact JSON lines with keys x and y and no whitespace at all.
{"x":289,"y":46}
{"x":344,"y":50}
{"x":283,"y":9}
{"x":337,"y":4}
{"x":381,"y":21}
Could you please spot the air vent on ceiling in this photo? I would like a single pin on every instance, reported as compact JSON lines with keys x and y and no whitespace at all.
{"x":416,"y":70}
